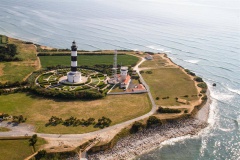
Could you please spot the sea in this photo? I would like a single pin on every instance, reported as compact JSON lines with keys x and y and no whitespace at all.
{"x":201,"y":35}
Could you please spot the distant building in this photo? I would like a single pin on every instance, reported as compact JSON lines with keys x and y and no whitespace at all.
{"x":149,"y":57}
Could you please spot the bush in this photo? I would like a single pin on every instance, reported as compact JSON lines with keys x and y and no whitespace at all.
{"x":185,"y":111}
{"x":203,"y":91}
{"x":189,"y":72}
{"x":103,"y":122}
{"x":202,"y":85}
{"x":204,"y":98}
{"x":41,"y":154}
{"x":53,"y":121}
{"x":198,"y":79}
{"x":157,"y":98}
{"x":148,"y":72}
{"x":137,"y":126}
{"x":168,"y":110}
{"x":152,"y":120}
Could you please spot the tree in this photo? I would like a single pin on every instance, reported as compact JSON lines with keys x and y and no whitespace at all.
{"x":33,"y":141}
{"x":40,"y":154}
{"x":136,"y":127}
{"x":152,"y":120}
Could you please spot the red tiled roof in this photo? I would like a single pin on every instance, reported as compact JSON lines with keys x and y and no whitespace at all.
{"x":127,"y":79}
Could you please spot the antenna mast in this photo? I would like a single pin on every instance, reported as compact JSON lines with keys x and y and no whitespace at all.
{"x":115,"y":66}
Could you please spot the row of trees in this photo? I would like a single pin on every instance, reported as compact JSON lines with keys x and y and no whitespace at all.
{"x":87,"y":94}
{"x":73,"y":121}
{"x":168,"y":110}
{"x":12,"y":84}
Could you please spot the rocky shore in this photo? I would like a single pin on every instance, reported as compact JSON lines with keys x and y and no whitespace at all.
{"x":149,"y":139}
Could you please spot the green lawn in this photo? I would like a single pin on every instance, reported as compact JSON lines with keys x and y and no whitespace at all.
{"x":39,"y":110}
{"x":89,"y":60}
{"x":17,"y":71}
{"x":17,"y":149}
{"x":170,"y":82}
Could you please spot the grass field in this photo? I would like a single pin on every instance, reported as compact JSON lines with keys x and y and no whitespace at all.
{"x":17,"y":149}
{"x":89,"y":60}
{"x":39,"y":110}
{"x":157,"y":62}
{"x":170,"y":82}
{"x":17,"y":71}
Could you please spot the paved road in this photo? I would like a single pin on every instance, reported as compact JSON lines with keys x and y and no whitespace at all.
{"x":23,"y":129}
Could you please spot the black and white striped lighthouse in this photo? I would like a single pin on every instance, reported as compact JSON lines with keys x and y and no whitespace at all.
{"x":73,"y":57}
{"x":74,"y":76}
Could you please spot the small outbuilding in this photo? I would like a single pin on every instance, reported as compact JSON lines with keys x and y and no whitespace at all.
{"x":149,"y":57}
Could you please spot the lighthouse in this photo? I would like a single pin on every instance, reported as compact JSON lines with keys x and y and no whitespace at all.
{"x":74,"y":76}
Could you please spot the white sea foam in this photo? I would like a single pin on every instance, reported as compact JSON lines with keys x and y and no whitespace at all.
{"x":221,"y":96}
{"x":155,"y":48}
{"x":226,"y":129}
{"x":234,"y":90}
{"x":135,"y":49}
{"x":192,"y":61}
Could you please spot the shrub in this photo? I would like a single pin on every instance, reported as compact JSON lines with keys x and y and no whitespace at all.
{"x":202,"y":85}
{"x":149,"y":72}
{"x":185,"y":111}
{"x":103,"y":122}
{"x":53,"y":121}
{"x":189,"y":72}
{"x":136,"y":127}
{"x":152,"y":120}
{"x":157,"y":98}
{"x":204,"y":98}
{"x":198,"y":79}
{"x":168,"y":110}
{"x":41,"y":154}
{"x":203,"y":91}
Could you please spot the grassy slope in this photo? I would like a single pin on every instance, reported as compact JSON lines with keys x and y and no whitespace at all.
{"x":170,"y":82}
{"x":17,"y":149}
{"x":87,"y":60}
{"x":17,"y":71}
{"x":39,"y":110}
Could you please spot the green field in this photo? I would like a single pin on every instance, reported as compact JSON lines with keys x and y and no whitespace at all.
{"x":89,"y":60}
{"x":17,"y":149}
{"x":39,"y":110}
{"x":172,"y":83}
{"x":18,"y":71}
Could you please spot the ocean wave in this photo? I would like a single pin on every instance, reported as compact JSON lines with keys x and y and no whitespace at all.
{"x":155,"y":48}
{"x":226,"y":129}
{"x":192,"y":61}
{"x":237,"y":91}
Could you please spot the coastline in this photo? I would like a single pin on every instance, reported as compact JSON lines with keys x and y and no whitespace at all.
{"x":149,"y":139}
